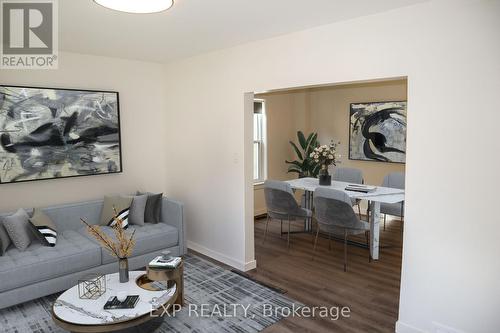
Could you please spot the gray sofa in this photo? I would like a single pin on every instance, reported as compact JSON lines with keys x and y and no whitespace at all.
{"x":41,"y":271}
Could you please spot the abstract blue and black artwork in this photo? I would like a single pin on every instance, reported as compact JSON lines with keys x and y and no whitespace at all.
{"x":378,"y":132}
{"x":50,"y":133}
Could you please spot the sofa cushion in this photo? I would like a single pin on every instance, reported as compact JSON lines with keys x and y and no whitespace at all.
{"x":137,"y":209}
{"x":38,"y":263}
{"x":148,"y":238}
{"x":19,"y":230}
{"x":152,"y":212}
{"x":67,"y":217}
{"x":4,"y":238}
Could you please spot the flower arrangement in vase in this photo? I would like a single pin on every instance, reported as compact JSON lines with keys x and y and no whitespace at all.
{"x":325,"y":156}
{"x":120,"y":248}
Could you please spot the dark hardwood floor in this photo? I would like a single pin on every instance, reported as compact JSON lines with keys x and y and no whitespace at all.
{"x":370,"y":290}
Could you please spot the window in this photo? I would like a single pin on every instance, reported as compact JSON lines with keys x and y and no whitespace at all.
{"x":259,"y":141}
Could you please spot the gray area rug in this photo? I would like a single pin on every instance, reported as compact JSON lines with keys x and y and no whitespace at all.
{"x":205,"y":283}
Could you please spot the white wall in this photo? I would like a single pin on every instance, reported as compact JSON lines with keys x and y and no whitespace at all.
{"x":450,"y":256}
{"x":142,"y":105}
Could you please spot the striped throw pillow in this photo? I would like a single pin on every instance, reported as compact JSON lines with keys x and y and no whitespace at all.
{"x":123,"y":216}
{"x":120,"y":204}
{"x":44,"y":229}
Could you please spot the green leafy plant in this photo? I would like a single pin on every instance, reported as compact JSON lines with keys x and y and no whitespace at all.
{"x":305,"y":165}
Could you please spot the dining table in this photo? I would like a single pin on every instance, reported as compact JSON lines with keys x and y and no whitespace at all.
{"x":375,"y":197}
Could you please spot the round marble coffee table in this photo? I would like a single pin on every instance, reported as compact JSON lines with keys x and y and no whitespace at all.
{"x":84,"y":315}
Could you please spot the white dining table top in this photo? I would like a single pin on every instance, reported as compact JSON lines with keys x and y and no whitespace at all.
{"x":381,"y":194}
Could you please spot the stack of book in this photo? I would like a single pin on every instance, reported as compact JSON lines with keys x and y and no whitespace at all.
{"x":360,"y":188}
{"x":161,"y":262}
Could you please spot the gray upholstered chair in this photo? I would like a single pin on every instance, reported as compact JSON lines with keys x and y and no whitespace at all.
{"x":352,"y":176}
{"x":334,"y":214}
{"x":393,"y":180}
{"x":281,"y":205}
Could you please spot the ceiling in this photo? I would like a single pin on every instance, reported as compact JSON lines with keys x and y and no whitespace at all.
{"x":193,"y":27}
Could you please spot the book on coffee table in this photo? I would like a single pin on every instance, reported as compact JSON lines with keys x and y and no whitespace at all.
{"x":160,"y":262}
{"x":360,"y":188}
{"x":114,"y":304}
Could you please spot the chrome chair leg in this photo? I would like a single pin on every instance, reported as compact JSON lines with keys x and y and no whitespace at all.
{"x":265,"y":232}
{"x":315,"y":243}
{"x":345,"y":250}
{"x":385,"y":217}
{"x":402,"y":226}
{"x":281,"y":229}
{"x":312,"y":231}
{"x":288,"y":239}
{"x":401,"y":217}
{"x":359,"y":210}
{"x":367,"y":235}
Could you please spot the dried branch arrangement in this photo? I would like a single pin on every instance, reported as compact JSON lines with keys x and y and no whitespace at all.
{"x":120,"y":248}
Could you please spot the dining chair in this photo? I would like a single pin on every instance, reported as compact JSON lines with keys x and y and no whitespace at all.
{"x":352,"y":176}
{"x":281,"y":205}
{"x":393,"y":180}
{"x":334,"y":215}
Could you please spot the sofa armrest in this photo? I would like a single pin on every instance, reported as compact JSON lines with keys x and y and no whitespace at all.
{"x":172,"y":213}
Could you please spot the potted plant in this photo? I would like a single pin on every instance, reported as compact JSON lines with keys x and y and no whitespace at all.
{"x":121,"y":247}
{"x":305,"y":165}
{"x":325,"y":156}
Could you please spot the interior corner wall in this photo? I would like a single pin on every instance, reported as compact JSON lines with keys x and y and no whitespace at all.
{"x":449,"y":51}
{"x":141,"y":88}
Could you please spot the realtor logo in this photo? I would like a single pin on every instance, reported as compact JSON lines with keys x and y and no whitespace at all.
{"x":29,"y":34}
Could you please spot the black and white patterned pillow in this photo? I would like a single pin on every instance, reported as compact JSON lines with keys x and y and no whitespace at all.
{"x":123,"y":216}
{"x":115,"y":204}
{"x":44,"y":229}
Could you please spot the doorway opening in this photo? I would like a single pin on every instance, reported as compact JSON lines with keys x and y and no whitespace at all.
{"x":366,"y":123}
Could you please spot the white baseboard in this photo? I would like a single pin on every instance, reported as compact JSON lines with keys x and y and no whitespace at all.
{"x":405,"y":328}
{"x":250,"y":265}
{"x":242,"y":266}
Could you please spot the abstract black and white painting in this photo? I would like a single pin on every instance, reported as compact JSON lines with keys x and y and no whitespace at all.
{"x":378,"y":132}
{"x":56,"y":133}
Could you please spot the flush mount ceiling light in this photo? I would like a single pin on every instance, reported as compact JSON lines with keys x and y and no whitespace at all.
{"x":137,"y":6}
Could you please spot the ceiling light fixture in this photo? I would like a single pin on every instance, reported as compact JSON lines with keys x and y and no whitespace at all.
{"x":137,"y":6}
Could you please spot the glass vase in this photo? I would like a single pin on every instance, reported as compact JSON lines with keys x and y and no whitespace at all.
{"x":123,"y":269}
{"x":324,"y":177}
